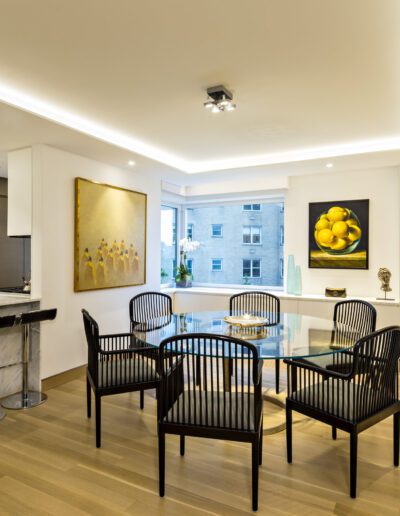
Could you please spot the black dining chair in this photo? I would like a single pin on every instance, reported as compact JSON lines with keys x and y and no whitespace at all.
{"x":210,"y":409}
{"x":147,"y":306}
{"x":351,"y":401}
{"x":262,"y":304}
{"x":147,"y":311}
{"x":116,"y":363}
{"x":352,"y":320}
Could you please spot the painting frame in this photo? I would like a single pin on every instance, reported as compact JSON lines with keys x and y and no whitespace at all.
{"x":336,"y":263}
{"x":78,"y":234}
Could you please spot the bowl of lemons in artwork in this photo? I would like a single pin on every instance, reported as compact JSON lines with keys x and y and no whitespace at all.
{"x":337,"y":231}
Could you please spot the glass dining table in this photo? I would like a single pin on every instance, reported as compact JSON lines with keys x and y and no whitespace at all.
{"x":294,"y":336}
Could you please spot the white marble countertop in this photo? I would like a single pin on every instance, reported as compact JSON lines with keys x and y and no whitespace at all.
{"x":16,"y":299}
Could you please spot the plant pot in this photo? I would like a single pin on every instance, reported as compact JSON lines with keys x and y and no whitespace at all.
{"x":184,"y":283}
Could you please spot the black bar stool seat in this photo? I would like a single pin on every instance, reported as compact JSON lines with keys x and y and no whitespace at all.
{"x":27,"y":399}
{"x":7,"y":321}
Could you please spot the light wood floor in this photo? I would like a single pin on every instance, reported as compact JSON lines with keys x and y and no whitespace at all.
{"x":49,"y":465}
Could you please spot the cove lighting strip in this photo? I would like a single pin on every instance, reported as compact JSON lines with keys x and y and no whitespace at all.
{"x":16,"y":98}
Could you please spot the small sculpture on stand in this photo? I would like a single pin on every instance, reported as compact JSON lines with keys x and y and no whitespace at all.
{"x":384,"y":276}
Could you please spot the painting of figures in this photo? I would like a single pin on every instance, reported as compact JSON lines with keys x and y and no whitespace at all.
{"x":110,"y":236}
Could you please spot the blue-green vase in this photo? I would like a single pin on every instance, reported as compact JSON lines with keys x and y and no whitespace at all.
{"x":291,"y":275}
{"x":297,"y":281}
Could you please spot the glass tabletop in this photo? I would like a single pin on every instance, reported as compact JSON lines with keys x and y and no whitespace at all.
{"x":295,"y":336}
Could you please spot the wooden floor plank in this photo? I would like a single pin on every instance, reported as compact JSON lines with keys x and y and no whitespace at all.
{"x":49,"y":465}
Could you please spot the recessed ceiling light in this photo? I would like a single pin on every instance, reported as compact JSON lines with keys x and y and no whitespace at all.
{"x":131,"y":163}
{"x":329,"y":165}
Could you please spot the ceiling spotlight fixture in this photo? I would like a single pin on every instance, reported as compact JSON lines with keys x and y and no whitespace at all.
{"x":329,"y":165}
{"x":131,"y":163}
{"x":219,"y":99}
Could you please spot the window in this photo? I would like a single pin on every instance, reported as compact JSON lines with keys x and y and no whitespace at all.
{"x":281,"y":236}
{"x":216,"y":264}
{"x":219,"y":260}
{"x":252,"y":235}
{"x":251,"y":207}
{"x":189,"y":264}
{"x":216,"y":230}
{"x":168,"y":243}
{"x":189,"y":231}
{"x":252,"y":268}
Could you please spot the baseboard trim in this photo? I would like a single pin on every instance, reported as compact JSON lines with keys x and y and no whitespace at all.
{"x":61,"y":378}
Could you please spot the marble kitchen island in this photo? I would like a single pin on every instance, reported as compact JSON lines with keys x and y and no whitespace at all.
{"x":11,"y":346}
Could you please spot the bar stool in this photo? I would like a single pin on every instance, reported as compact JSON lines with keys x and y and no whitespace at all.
{"x":28,"y":399}
{"x":7,"y":321}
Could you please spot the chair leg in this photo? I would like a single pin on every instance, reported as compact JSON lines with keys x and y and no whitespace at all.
{"x":277,"y":376}
{"x":98,"y":420}
{"x":261,"y":444}
{"x":353,"y":463}
{"x":161,"y":461}
{"x":182,"y":445}
{"x":289,"y":434}
{"x":88,"y":398}
{"x":255,"y":445}
{"x":334,"y":433}
{"x":396,"y":438}
{"x":142,"y":399}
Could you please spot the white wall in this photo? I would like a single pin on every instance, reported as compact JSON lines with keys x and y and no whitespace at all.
{"x":62,"y":342}
{"x":382,"y":187}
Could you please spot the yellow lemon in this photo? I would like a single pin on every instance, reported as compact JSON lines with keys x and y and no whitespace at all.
{"x":336,"y":214}
{"x":322,"y":224}
{"x":325,"y":237}
{"x":340,"y":229}
{"x":351,"y":222}
{"x":354,"y":233}
{"x":338,"y":244}
{"x":324,"y":216}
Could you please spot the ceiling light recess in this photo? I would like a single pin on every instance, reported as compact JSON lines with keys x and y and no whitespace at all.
{"x":219,"y":99}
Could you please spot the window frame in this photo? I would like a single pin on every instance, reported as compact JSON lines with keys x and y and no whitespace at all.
{"x":177,"y":233}
{"x":251,"y":260}
{"x":251,"y":227}
{"x":212,"y":230}
{"x":212,"y":264}
{"x":252,"y":207}
{"x":189,"y":263}
{"x":226,"y":200}
{"x":191,"y":224}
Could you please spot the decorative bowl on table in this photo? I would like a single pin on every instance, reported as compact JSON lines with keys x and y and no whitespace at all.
{"x":247,"y":332}
{"x":246,"y":320}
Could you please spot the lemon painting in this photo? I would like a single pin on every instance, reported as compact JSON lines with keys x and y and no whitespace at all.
{"x":110,"y":236}
{"x":338,"y":235}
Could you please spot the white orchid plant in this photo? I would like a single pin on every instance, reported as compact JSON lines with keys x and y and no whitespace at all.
{"x":185,"y":246}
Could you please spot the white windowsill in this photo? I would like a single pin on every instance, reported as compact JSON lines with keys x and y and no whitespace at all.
{"x":221,"y":291}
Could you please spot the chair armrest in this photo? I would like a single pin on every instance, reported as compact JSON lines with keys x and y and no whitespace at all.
{"x":116,"y":335}
{"x":121,"y":343}
{"x":317,"y":369}
{"x":124,"y":351}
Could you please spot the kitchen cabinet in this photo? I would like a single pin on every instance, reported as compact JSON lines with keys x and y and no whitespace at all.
{"x":19,"y":222}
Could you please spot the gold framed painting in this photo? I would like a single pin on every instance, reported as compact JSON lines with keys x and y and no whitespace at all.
{"x":110,"y":236}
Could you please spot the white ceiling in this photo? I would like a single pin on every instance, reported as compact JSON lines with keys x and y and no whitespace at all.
{"x":305,"y":74}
